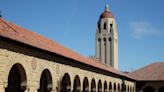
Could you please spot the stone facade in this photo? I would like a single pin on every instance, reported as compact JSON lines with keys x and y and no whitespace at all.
{"x":32,"y":62}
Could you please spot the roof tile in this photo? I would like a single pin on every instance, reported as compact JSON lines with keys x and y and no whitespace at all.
{"x":24,"y":36}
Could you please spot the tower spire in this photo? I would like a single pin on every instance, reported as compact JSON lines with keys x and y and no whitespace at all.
{"x":106,"y":7}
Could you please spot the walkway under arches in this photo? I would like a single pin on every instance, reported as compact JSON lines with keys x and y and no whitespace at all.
{"x":118,"y":88}
{"x":110,"y":87}
{"x":93,"y":86}
{"x":17,"y":80}
{"x":105,"y":87}
{"x":85,"y":85}
{"x":99,"y":86}
{"x":76,"y":85}
{"x":45,"y":81}
{"x":66,"y":83}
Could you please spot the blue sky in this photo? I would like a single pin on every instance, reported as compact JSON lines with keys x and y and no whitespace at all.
{"x":72,"y":23}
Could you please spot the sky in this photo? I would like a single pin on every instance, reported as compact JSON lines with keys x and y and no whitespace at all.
{"x":72,"y":23}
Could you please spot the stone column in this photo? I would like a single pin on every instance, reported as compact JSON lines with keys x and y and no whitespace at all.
{"x":32,"y":89}
{"x":102,"y":51}
{"x":108,"y":51}
{"x":2,"y":88}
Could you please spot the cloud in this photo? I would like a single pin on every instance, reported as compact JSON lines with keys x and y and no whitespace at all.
{"x":143,"y":29}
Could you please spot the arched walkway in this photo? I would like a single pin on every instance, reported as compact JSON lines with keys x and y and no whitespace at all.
{"x":99,"y":86}
{"x":17,"y":80}
{"x":85,"y":85}
{"x":76,"y":85}
{"x":125,"y":88}
{"x":128,"y":89}
{"x":93,"y":86}
{"x":119,"y":89}
{"x":105,"y":87}
{"x":114,"y":90}
{"x":66,"y":83}
{"x":161,"y":89}
{"x":45,"y":81}
{"x":149,"y":89}
{"x":110,"y":87}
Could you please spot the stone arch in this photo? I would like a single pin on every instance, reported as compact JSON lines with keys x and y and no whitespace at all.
{"x":93,"y":86}
{"x":105,"y":87}
{"x":128,"y":88}
{"x":99,"y":86}
{"x":66,"y":83}
{"x":125,"y":88}
{"x":119,"y":88}
{"x":161,"y":89}
{"x":114,"y":88}
{"x":85,"y":85}
{"x":77,"y":84}
{"x":148,"y":89}
{"x":45,"y":81}
{"x":110,"y":87}
{"x":17,"y":80}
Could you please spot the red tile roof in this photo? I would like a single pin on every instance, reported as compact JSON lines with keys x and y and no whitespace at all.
{"x":16,"y":33}
{"x":106,"y":14}
{"x":152,"y":72}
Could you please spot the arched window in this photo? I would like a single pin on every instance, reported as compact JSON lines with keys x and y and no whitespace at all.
{"x":66,"y":83}
{"x":17,"y":80}
{"x":149,"y":89}
{"x":76,"y":85}
{"x":99,"y":86}
{"x":105,"y":26}
{"x":99,"y":40}
{"x":85,"y":85}
{"x":104,"y":39}
{"x":93,"y":86}
{"x":45,"y":81}
{"x":111,"y":28}
{"x":109,"y":39}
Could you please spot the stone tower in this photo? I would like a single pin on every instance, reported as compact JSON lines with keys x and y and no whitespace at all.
{"x":107,"y":39}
